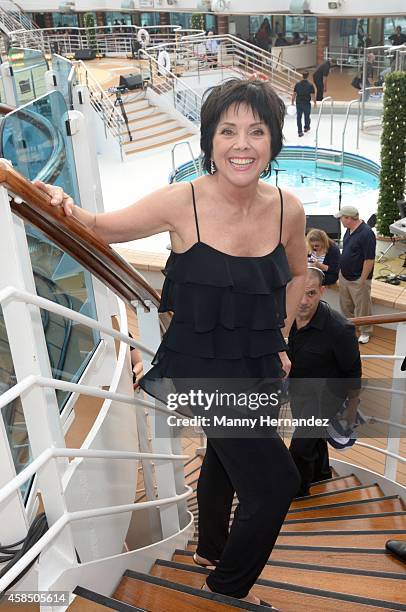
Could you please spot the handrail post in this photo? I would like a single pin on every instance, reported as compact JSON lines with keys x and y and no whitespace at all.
{"x":396,"y":405}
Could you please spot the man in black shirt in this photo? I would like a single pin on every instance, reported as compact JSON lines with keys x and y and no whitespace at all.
{"x":320,"y":78}
{"x":302,"y":96}
{"x":397,"y":38}
{"x":326,"y":369}
{"x":356,"y":268}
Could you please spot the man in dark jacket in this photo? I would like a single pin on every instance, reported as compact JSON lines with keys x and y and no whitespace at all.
{"x":320,"y":78}
{"x":302,"y":93}
{"x":326,"y":371}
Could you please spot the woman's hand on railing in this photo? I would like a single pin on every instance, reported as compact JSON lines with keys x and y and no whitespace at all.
{"x":58,"y":196}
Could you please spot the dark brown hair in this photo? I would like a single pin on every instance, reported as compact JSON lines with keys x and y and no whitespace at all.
{"x":257,"y":95}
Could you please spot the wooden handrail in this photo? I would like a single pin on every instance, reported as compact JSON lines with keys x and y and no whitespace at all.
{"x":82,"y":244}
{"x":399,"y":317}
{"x":5,"y":109}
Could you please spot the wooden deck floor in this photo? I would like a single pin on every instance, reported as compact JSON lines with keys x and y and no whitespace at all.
{"x":108,"y":70}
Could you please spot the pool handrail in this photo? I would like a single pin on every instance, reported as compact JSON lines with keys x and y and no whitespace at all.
{"x":355,"y":101}
{"x":316,"y":137}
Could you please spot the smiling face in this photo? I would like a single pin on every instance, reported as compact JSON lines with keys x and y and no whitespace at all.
{"x":241,"y":145}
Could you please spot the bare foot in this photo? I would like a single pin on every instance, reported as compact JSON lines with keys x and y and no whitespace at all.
{"x":251,"y":598}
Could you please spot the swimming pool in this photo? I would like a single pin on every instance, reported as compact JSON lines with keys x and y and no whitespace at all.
{"x":317,"y":187}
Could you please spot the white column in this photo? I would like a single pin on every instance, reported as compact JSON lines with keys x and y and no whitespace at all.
{"x":148,"y":325}
{"x":29,"y":353}
{"x":84,"y":142}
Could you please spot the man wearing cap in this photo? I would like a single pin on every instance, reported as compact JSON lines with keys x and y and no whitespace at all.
{"x":356,"y":268}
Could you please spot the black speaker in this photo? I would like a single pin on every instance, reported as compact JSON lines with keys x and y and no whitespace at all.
{"x":131,"y":81}
{"x":328,"y":223}
{"x":85,"y":54}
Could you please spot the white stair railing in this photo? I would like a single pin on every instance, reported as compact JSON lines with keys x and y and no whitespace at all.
{"x":178,"y":93}
{"x":120,"y":41}
{"x":175,"y":500}
{"x":239,"y":56}
{"x":100,"y":101}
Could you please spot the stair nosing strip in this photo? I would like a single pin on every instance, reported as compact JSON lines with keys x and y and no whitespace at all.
{"x":193,"y":471}
{"x":326,"y":494}
{"x":336,"y":491}
{"x":296,"y":588}
{"x":105,"y":600}
{"x":343,"y":504}
{"x":338,"y":549}
{"x":326,"y":519}
{"x":184,"y":588}
{"x":341,"y":533}
{"x":319,"y":568}
{"x":317,"y":482}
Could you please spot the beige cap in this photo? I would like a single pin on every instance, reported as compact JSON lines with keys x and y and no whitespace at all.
{"x":347,"y":211}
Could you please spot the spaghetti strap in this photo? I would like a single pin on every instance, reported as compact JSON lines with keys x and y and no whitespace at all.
{"x":194,"y":208}
{"x":280,"y":229}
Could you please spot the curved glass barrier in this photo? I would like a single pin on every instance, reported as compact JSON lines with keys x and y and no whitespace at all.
{"x":35,"y":139}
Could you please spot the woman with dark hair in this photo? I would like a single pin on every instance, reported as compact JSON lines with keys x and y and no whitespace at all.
{"x":263,"y":36}
{"x":324,"y":254}
{"x":237,"y":242}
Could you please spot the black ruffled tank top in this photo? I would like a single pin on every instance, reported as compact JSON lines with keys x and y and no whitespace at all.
{"x":228,"y":312}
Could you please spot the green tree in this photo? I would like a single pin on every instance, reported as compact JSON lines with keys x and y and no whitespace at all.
{"x":90,"y":31}
{"x":393,"y":151}
{"x":197,"y":21}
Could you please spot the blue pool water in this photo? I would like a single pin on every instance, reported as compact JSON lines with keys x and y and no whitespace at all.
{"x":317,"y":187}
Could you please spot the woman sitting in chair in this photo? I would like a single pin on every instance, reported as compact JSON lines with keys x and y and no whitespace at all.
{"x":324,"y":254}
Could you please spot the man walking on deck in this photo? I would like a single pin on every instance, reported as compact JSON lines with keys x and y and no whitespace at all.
{"x":302,"y":94}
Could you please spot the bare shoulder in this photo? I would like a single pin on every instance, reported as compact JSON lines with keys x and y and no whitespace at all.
{"x":292,"y":206}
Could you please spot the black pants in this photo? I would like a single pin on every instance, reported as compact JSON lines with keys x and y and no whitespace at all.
{"x":319,"y":89}
{"x":303,"y":108}
{"x":262,"y":474}
{"x":311,"y":459}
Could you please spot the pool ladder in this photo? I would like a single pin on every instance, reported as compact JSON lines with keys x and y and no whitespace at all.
{"x":334,"y":160}
{"x":326,"y":158}
{"x":195,"y":163}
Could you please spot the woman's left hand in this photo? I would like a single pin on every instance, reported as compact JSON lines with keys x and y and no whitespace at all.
{"x":285,"y":362}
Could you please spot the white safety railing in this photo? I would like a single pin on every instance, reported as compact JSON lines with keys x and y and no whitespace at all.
{"x":316,"y":136}
{"x":350,"y":104}
{"x":103,"y":40}
{"x":178,"y":93}
{"x":101,"y":102}
{"x":234,"y":55}
{"x":38,"y":464}
{"x":396,"y":411}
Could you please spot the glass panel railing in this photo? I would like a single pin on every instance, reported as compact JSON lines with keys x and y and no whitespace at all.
{"x":34,"y":138}
{"x":62,"y":68}
{"x":12,"y":414}
{"x":29,"y":67}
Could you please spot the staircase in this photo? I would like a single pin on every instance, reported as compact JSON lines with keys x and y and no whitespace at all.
{"x":330,"y":555}
{"x":150,"y":127}
{"x":12,"y":18}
